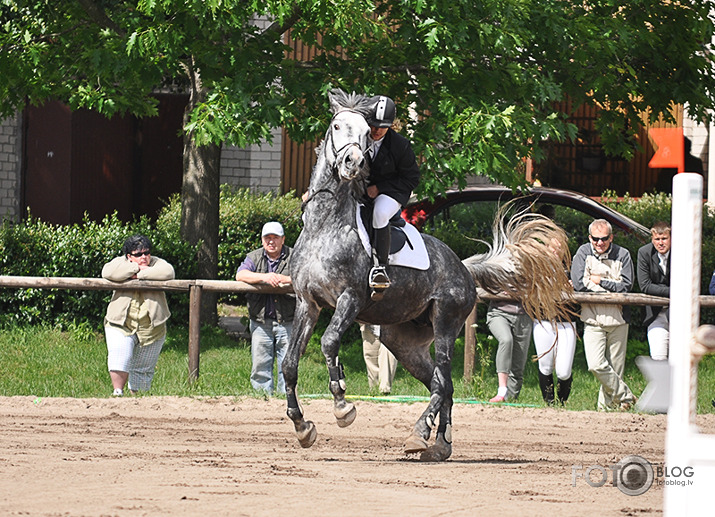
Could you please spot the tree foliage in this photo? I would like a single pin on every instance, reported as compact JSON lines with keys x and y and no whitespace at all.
{"x":476,"y":81}
{"x":485,"y":76}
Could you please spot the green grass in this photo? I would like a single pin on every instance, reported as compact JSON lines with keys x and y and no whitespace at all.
{"x":45,"y":362}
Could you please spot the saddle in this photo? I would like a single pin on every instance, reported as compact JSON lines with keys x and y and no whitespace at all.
{"x":407,"y":248}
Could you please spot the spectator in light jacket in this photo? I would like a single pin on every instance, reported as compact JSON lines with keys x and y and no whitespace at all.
{"x":135,"y":324}
{"x":600,"y":266}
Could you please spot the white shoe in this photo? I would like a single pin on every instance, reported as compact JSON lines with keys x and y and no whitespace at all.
{"x":118,"y":392}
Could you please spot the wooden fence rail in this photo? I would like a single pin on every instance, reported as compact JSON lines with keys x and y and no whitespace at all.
{"x":196,"y":287}
{"x":470,"y":335}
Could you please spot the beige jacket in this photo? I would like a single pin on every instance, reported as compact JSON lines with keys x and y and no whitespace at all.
{"x":119,"y":270}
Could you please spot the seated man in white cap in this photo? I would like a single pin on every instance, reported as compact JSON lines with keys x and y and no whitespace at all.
{"x":271,"y":314}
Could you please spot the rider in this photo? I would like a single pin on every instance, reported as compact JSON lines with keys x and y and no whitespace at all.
{"x":394,"y":174}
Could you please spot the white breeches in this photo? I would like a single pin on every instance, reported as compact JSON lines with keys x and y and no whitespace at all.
{"x":557,"y":345}
{"x":659,"y":336}
{"x":383,"y":210}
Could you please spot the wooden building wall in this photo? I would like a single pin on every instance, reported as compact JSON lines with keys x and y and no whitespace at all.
{"x":580,"y":166}
{"x":297,"y":159}
{"x":79,"y":161}
{"x":583,"y":165}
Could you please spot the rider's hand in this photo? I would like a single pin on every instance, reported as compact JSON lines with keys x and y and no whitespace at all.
{"x":372,"y":191}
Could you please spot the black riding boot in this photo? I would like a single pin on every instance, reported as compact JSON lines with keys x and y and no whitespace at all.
{"x":546,"y":383}
{"x":563,"y":389}
{"x":378,"y":275}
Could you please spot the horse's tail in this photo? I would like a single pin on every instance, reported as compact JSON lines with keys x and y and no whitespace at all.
{"x":529,"y":260}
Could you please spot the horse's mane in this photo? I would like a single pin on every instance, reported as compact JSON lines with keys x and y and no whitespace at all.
{"x":340,"y":100}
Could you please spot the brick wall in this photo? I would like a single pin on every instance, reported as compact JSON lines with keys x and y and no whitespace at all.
{"x":257,"y":167}
{"x":10,"y":168}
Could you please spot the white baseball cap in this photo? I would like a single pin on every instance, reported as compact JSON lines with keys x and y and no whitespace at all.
{"x":272,"y":228}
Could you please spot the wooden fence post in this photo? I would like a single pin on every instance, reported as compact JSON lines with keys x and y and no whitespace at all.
{"x":194,"y":331}
{"x":470,"y":342}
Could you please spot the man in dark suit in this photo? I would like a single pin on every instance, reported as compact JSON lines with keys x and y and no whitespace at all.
{"x":654,"y":278}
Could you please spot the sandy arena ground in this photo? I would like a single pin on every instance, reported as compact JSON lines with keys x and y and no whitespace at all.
{"x":156,"y":456}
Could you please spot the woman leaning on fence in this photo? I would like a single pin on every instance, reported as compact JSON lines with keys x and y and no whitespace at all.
{"x":135,"y":324}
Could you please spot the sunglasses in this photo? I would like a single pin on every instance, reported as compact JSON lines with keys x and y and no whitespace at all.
{"x":138,"y":254}
{"x":600,"y":239}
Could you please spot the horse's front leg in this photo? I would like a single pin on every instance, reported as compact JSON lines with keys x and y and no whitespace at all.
{"x":346,"y":309}
{"x":306,"y":315}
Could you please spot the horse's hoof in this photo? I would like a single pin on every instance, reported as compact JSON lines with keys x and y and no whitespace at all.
{"x":415,"y":443}
{"x":307,"y":436}
{"x":440,"y":451}
{"x":346,"y":416}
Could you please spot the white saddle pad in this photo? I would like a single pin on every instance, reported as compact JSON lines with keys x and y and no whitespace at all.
{"x":415,"y":257}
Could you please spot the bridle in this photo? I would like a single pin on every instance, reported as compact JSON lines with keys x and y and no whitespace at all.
{"x":337,"y":153}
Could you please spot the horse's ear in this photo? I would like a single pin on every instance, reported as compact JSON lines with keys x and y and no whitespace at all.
{"x":336,"y":96}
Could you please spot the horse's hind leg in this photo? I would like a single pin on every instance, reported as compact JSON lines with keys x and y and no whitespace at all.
{"x":437,"y":376}
{"x":447,"y":324}
{"x":441,"y":390}
{"x":442,"y":448}
{"x":303,"y":322}
{"x":410,"y":344}
{"x":346,"y":309}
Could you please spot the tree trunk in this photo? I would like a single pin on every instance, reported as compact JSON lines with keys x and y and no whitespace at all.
{"x":200,"y":200}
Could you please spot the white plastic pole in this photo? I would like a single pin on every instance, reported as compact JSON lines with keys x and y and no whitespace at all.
{"x":681,"y":435}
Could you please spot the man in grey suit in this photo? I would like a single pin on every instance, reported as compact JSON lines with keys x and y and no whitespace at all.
{"x":654,"y":278}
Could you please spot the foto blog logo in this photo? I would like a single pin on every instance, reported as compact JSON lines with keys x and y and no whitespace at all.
{"x":633,"y":475}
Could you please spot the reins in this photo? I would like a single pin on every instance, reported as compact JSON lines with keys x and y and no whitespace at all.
{"x":311,"y":196}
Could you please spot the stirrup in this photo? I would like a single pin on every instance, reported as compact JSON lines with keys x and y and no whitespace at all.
{"x":379,"y":278}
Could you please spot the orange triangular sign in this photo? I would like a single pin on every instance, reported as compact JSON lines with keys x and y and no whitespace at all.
{"x":670,"y":152}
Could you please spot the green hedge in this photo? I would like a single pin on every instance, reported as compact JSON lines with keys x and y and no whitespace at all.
{"x":36,"y":248}
{"x":242,"y":214}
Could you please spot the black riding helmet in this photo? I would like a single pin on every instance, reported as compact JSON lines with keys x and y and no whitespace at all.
{"x":383,"y":113}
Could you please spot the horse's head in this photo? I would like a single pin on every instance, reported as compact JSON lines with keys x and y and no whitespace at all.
{"x":347,"y":135}
{"x":348,"y":141}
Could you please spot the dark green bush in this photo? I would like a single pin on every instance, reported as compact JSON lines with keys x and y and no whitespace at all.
{"x":36,"y":248}
{"x":242,"y":215}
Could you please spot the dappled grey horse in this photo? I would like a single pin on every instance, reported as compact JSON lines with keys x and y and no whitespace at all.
{"x":330,"y":270}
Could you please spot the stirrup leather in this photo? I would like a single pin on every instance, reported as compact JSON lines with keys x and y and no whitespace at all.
{"x":379,"y":278}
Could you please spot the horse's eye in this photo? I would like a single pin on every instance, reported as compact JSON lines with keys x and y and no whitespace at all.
{"x":336,"y":127}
